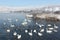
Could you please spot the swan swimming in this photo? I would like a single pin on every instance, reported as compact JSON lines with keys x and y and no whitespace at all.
{"x":40,"y":34}
{"x":26,"y":31}
{"x":15,"y":33}
{"x":18,"y":36}
{"x":8,"y":30}
{"x":12,"y":25}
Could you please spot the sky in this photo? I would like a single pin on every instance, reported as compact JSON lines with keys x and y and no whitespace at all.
{"x":20,"y":3}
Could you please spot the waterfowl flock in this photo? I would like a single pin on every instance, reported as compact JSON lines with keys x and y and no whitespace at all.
{"x":49,"y":29}
{"x":27,"y":28}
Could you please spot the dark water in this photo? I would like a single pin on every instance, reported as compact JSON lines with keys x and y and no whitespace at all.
{"x":8,"y":19}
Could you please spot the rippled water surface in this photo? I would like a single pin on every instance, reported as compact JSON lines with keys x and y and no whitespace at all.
{"x":16,"y":26}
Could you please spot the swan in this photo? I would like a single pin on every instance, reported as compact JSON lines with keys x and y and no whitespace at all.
{"x":40,"y":34}
{"x":8,"y":30}
{"x":15,"y":33}
{"x":26,"y":31}
{"x":18,"y":36}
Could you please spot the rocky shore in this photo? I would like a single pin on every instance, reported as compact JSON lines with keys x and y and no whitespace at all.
{"x":48,"y":17}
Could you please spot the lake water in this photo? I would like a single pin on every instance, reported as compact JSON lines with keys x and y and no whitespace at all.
{"x":11,"y":23}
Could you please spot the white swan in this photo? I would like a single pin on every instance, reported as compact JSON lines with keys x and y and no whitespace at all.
{"x":42,"y":30}
{"x":12,"y":25}
{"x":35,"y":31}
{"x":24,"y":23}
{"x":49,"y":25}
{"x":26,"y":31}
{"x":40,"y":34}
{"x":55,"y":26}
{"x":18,"y":36}
{"x":37,"y":23}
{"x":29,"y":20}
{"x":30,"y":33}
{"x":8,"y":30}
{"x":55,"y":31}
{"x":15,"y":33}
{"x":49,"y":31}
{"x":50,"y":28}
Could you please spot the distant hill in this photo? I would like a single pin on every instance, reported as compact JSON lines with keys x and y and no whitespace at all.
{"x":45,"y":9}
